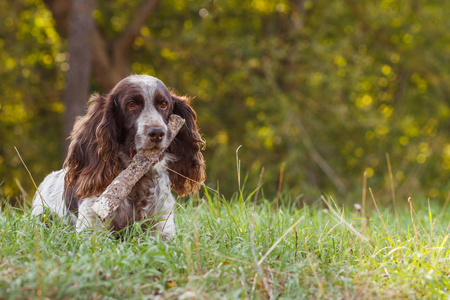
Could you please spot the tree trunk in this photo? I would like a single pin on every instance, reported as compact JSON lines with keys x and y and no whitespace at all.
{"x":90,"y":50}
{"x":81,"y":25}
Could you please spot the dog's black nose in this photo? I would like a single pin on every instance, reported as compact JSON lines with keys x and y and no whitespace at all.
{"x":156,"y":134}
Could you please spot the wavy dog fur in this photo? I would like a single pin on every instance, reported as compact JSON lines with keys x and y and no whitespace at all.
{"x":131,"y":118}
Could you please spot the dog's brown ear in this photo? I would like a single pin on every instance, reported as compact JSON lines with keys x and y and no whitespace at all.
{"x":92,"y":161}
{"x":187,"y":147}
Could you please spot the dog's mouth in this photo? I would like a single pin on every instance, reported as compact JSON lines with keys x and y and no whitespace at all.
{"x":132,"y":152}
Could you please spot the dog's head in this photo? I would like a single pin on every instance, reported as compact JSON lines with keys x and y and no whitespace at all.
{"x":131,"y":118}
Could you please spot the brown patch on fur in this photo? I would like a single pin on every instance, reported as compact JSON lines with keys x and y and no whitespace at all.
{"x":187,"y":147}
{"x":92,"y":161}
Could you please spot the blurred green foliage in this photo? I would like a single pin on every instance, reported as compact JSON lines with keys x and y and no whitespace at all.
{"x":294,"y":82}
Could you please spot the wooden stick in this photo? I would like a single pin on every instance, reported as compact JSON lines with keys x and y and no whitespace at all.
{"x":121,"y":186}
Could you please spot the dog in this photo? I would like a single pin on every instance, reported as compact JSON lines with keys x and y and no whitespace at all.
{"x":132,"y":117}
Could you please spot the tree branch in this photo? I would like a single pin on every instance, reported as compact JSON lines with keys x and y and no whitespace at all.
{"x":123,"y":43}
{"x":104,"y":70}
{"x":318,"y":159}
{"x":109,"y":66}
{"x":60,"y":10}
{"x":360,"y":17}
{"x":297,"y":13}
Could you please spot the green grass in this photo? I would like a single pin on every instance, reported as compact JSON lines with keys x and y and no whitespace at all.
{"x":331,"y":254}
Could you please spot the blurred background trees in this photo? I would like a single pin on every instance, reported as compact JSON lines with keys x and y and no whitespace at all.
{"x":324,"y":88}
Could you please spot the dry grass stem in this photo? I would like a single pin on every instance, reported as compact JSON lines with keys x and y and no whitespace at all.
{"x":258,"y":187}
{"x":416,"y":236}
{"x":379,"y":214}
{"x":31,"y":176}
{"x":263,"y":258}
{"x":391,"y":179}
{"x":280,"y":184}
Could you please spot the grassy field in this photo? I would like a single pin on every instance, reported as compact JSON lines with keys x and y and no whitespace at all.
{"x":235,"y":250}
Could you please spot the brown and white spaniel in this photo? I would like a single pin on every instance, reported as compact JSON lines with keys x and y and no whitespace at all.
{"x":131,"y":118}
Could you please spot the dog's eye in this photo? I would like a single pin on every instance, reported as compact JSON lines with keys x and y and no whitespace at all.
{"x":163,"y":105}
{"x":132,"y":103}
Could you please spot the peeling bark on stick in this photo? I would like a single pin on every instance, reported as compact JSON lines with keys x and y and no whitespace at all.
{"x":121,"y":186}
